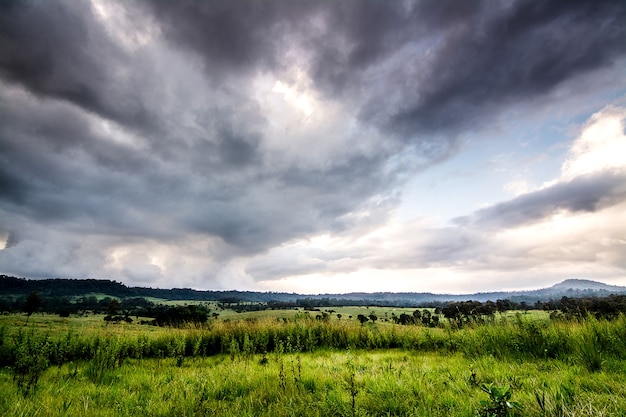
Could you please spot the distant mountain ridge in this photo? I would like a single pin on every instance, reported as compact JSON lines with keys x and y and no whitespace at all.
{"x":586,"y":284}
{"x":16,"y":287}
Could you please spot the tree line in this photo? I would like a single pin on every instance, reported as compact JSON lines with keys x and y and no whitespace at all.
{"x":114,"y":309}
{"x":458,"y":313}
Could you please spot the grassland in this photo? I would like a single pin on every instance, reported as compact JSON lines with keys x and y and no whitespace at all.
{"x":293,"y":364}
{"x":346,"y":313}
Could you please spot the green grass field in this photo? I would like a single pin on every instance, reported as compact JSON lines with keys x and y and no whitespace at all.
{"x":264,"y":365}
{"x":346,"y":312}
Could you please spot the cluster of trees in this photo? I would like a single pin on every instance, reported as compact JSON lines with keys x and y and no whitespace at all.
{"x":181,"y":315}
{"x":115,"y":310}
{"x":575,"y":308}
{"x":65,"y":306}
{"x":162,"y":315}
{"x":424,"y":318}
{"x":461,"y":312}
{"x":62,"y":287}
{"x":244,"y":307}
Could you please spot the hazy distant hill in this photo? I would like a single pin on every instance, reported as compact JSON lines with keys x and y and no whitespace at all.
{"x":16,"y":287}
{"x":585,"y":284}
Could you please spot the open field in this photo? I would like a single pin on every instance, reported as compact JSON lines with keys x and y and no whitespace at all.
{"x":346,"y":312}
{"x":275,"y":366}
{"x":93,"y":321}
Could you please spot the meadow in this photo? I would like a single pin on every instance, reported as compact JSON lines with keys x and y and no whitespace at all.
{"x":290,"y":363}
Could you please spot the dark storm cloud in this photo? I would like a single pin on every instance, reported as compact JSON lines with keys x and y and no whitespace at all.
{"x":512,"y":54}
{"x":60,"y":168}
{"x":53,"y":163}
{"x":243,"y":36}
{"x":58,"y":49}
{"x":481,"y":54}
{"x":231,"y":36}
{"x":85,"y":181}
{"x":585,"y":193}
{"x":166,"y":139}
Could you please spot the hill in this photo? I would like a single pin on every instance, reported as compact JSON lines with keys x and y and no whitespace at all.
{"x":586,"y":284}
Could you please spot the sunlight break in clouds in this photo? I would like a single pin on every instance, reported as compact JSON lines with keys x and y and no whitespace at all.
{"x":299,"y":100}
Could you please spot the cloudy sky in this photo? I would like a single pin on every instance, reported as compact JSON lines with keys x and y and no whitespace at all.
{"x":314,"y":146}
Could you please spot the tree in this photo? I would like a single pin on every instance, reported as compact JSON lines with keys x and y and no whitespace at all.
{"x":403,"y":319}
{"x":114,"y":307}
{"x":362,"y":318}
{"x":33,"y":301}
{"x":503,"y":305}
{"x":180,"y":315}
{"x":489,"y":308}
{"x":373,"y":317}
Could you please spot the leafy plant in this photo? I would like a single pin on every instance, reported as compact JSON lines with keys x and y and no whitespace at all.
{"x":499,"y":403}
{"x":31,"y":360}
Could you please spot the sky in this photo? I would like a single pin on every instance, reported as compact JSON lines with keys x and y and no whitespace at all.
{"x":314,"y":146}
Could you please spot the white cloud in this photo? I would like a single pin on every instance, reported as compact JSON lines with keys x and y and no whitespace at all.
{"x":601,"y":145}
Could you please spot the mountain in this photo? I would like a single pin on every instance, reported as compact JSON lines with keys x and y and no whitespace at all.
{"x":585,"y":284}
{"x":573,"y":288}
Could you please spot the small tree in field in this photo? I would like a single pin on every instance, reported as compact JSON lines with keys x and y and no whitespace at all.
{"x":361,"y":318}
{"x":33,"y":301}
{"x":114,"y":307}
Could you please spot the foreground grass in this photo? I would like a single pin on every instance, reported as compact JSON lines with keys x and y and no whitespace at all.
{"x":324,"y":383}
{"x":306,"y":367}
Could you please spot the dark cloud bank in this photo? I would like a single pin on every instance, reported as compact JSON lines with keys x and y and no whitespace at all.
{"x":586,"y":193}
{"x":100,"y":139}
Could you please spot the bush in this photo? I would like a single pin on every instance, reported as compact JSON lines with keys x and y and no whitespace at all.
{"x":30,"y":360}
{"x":499,"y":403}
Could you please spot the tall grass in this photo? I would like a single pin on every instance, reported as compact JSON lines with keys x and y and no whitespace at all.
{"x":590,"y":342}
{"x":302,"y":366}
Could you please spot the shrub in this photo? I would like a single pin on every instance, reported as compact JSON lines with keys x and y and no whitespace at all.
{"x":30,"y":360}
{"x":499,"y":403}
